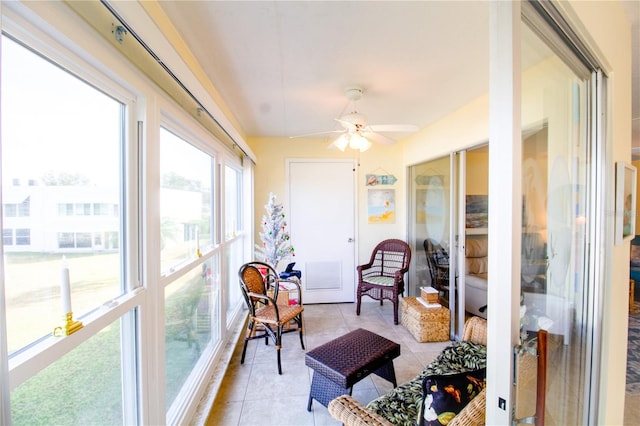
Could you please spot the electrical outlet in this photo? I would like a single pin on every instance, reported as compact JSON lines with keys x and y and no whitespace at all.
{"x":502,"y":403}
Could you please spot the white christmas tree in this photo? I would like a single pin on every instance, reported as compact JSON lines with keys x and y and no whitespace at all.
{"x":276,"y":244}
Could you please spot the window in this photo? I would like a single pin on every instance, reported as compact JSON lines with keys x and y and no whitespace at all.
{"x":100,"y":209}
{"x":233,"y":190}
{"x":65,"y":109}
{"x":190,"y":305}
{"x":24,"y":208}
{"x":65,"y":209}
{"x":7,"y":237}
{"x":66,"y":240}
{"x":23,"y":237}
{"x":82,"y":387}
{"x":192,"y":319}
{"x":185,"y":200}
{"x":10,"y":210}
{"x":83,"y":209}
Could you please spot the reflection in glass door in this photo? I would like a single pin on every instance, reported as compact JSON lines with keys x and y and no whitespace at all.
{"x":554,"y":289}
{"x":430,"y":226}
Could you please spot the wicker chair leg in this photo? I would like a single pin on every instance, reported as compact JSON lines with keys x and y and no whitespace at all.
{"x":244,"y":350}
{"x":359,"y":299}
{"x":301,"y":339}
{"x":279,"y":364}
{"x":278,"y":346}
{"x":395,"y":311}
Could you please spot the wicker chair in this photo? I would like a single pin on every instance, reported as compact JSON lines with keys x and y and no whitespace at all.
{"x":383,"y":277}
{"x":438,"y":263}
{"x":352,"y":413}
{"x":264,"y":313}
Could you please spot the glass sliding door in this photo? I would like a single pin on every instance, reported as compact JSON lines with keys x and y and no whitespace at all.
{"x":430,"y":226}
{"x":555,"y":185}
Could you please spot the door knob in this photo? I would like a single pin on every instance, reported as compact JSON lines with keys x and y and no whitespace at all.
{"x":350,"y":240}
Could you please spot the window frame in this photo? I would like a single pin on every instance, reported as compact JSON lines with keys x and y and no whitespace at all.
{"x":18,"y":24}
{"x":176,"y":121}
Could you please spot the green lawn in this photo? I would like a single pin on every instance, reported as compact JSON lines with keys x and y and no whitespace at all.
{"x":84,"y":386}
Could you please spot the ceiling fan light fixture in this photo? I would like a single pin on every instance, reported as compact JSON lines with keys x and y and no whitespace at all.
{"x":364,"y":145}
{"x":342,"y":142}
{"x":359,"y":142}
{"x":357,"y":133}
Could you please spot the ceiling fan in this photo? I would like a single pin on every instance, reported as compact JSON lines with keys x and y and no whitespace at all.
{"x":356,"y":133}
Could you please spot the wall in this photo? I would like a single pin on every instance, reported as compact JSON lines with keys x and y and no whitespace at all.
{"x":477,"y":181}
{"x":270,"y":177}
{"x":447,"y":134}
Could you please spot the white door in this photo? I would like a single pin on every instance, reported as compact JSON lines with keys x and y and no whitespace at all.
{"x":322,"y":227}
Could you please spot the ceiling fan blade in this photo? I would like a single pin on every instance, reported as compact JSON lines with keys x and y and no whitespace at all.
{"x":377,"y":137}
{"x":316,"y":134}
{"x":347,"y":125}
{"x":393,"y":128}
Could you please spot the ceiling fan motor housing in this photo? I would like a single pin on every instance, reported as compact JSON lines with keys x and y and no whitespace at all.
{"x":355,"y":118}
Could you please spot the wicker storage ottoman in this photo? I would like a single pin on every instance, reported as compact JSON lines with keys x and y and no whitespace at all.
{"x":425,"y":324}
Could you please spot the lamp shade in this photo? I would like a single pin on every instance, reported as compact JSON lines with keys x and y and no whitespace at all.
{"x":364,"y":145}
{"x":356,"y":141}
{"x":342,"y":142}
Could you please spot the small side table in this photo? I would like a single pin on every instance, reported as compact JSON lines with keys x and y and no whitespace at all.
{"x":341,"y":363}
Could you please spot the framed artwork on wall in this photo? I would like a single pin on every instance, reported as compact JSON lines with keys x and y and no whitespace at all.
{"x":625,"y":225}
{"x":381,"y":206}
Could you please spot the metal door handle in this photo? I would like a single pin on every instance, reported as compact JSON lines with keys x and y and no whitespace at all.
{"x":350,"y":240}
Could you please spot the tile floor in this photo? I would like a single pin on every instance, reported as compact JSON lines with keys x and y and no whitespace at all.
{"x":253,"y":393}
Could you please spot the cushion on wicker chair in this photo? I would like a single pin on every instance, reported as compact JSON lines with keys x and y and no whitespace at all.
{"x":388,"y":281}
{"x":446,"y":395}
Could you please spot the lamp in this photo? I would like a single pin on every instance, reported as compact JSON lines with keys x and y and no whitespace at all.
{"x":354,"y":141}
{"x":342,"y":142}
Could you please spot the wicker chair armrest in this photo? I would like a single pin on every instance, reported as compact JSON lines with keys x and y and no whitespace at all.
{"x":260,"y":296}
{"x":268,"y":300}
{"x":364,"y":267}
{"x":475,"y":330}
{"x":473,"y":414}
{"x":350,"y":412}
{"x":399,"y":274}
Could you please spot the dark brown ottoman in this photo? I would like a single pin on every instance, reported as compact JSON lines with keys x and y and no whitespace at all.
{"x":341,"y":363}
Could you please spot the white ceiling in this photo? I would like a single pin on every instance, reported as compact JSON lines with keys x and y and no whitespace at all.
{"x":282,"y":66}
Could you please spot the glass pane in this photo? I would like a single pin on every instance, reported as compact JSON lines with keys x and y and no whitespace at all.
{"x":429,"y":226}
{"x":84,"y":387}
{"x":191,"y":322}
{"x":185,"y":200}
{"x":476,"y":236}
{"x":232,"y":199}
{"x":234,"y":261}
{"x":52,"y":174}
{"x":554,"y":187}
